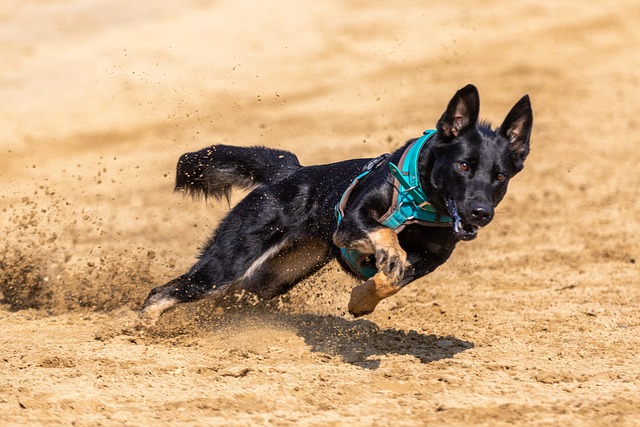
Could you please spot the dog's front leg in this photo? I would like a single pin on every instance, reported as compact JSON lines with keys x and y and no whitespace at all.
{"x":391,"y":262}
{"x":365,"y":297}
{"x":382,"y":242}
{"x":391,"y":259}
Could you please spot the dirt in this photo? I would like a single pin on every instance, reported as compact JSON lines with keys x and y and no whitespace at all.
{"x":536,"y":322}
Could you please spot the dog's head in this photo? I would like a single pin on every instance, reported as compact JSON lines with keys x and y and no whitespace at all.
{"x":471,"y":164}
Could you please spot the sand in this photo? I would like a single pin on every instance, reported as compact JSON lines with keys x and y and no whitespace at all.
{"x":536,"y":322}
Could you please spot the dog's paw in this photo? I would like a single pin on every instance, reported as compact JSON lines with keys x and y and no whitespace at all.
{"x":392,"y":261}
{"x":152,"y":309}
{"x":357,"y":313}
{"x":363,"y":299}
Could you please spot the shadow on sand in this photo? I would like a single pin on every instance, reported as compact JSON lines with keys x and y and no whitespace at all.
{"x":355,"y":341}
{"x":359,"y":341}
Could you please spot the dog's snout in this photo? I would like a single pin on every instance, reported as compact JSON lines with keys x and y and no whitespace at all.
{"x":482,"y":214}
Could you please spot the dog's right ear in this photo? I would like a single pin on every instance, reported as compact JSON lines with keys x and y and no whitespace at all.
{"x":462,"y":111}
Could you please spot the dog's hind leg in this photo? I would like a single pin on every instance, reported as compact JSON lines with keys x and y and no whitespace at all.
{"x":272,"y":273}
{"x":267,"y":243}
{"x":159,"y":300}
{"x":184,"y":288}
{"x":281,"y":269}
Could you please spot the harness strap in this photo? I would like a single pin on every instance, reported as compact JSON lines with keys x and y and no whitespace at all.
{"x":366,"y":170}
{"x":409,"y":204}
{"x":362,"y":265}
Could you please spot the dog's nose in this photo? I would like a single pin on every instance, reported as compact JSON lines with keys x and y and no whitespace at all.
{"x":482,"y":214}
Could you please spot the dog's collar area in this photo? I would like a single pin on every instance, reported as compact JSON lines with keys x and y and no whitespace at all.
{"x":410,"y":203}
{"x":408,"y":177}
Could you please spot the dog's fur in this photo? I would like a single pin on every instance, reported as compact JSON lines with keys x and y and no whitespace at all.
{"x":285,"y":229}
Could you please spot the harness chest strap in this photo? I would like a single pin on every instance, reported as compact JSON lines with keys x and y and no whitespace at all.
{"x":409,"y":204}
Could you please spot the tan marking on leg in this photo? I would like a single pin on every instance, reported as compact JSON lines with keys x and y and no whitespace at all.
{"x":391,"y":259}
{"x":281,"y":270}
{"x":305,"y":256}
{"x":269,"y":253}
{"x":363,"y":245}
{"x":385,"y":238}
{"x":378,"y":239}
{"x":365,"y":298}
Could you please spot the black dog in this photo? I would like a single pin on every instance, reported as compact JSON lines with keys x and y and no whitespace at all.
{"x":389,"y":220}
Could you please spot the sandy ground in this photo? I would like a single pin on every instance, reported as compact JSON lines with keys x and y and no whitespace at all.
{"x":534,"y":323}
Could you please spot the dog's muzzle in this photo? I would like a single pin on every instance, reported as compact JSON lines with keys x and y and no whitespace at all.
{"x":463,"y":230}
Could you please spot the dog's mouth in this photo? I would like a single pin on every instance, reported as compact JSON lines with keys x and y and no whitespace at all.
{"x":463,"y":230}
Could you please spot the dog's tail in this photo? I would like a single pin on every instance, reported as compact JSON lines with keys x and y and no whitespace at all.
{"x":213,"y":171}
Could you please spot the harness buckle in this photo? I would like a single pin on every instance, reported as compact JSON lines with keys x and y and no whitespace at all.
{"x":374,"y":163}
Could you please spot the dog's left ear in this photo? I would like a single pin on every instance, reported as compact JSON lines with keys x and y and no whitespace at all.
{"x":462,"y":111}
{"x":516,"y":127}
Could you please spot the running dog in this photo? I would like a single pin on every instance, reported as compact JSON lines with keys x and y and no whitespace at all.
{"x":388,"y":220}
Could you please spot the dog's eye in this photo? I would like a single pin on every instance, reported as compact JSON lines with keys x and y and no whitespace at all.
{"x":501,"y":177}
{"x":464,"y":166}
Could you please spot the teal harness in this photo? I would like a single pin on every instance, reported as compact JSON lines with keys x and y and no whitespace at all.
{"x":409,"y":205}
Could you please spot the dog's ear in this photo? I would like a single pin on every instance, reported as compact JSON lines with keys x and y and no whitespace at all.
{"x":516,"y":127}
{"x":462,"y":111}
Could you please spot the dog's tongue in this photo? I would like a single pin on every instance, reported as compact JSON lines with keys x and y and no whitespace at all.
{"x":462,"y":230}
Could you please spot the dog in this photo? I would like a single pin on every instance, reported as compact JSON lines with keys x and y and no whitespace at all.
{"x":388,"y":221}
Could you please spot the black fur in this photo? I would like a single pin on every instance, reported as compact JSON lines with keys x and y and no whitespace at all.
{"x":285,"y":229}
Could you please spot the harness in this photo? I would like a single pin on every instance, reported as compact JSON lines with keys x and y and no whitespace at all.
{"x":409,"y":204}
